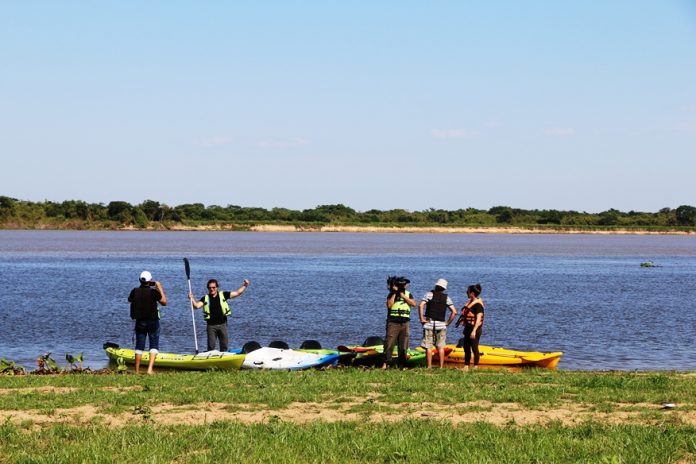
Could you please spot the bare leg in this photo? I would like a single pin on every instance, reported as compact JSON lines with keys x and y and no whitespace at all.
{"x":441,"y":352}
{"x":429,"y":357}
{"x":138,"y":357}
{"x":150,"y":367}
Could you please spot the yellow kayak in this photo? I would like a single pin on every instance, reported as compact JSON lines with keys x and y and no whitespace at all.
{"x":200,"y":361}
{"x":496,"y":356}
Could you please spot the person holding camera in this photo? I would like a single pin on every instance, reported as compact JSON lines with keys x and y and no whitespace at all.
{"x":216,"y":309}
{"x":436,"y":303}
{"x":399,"y":304}
{"x":144,"y":309}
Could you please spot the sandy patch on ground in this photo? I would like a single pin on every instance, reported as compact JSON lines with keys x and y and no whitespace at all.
{"x":4,"y":391}
{"x":81,"y":415}
{"x":123,"y":389}
{"x":500,"y":414}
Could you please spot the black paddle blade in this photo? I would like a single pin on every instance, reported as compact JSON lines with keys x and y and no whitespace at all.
{"x":188,"y":268}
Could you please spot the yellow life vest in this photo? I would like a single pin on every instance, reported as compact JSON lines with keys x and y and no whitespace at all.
{"x":223,"y":304}
{"x":400,"y":308}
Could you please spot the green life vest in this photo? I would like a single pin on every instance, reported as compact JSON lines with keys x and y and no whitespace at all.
{"x":223,"y":304}
{"x":400,"y":308}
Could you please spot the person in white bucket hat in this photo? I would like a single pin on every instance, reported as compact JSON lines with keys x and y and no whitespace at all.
{"x":143,"y":308}
{"x":433,"y":315}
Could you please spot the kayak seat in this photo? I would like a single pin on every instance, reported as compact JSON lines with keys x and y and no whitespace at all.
{"x":110,"y":345}
{"x":373,"y":341}
{"x":279,"y":344}
{"x":310,"y":345}
{"x":250,"y":346}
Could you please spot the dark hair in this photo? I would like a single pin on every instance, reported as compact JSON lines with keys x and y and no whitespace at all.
{"x":213,"y":281}
{"x":475,"y":289}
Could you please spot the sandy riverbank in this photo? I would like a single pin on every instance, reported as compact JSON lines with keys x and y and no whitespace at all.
{"x":354,"y":229}
{"x":428,"y":230}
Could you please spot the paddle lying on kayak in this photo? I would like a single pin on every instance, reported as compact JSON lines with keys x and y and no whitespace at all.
{"x":370,"y":344}
{"x":370,"y":353}
{"x":356,"y":349}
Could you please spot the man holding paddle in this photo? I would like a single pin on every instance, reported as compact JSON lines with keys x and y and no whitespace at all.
{"x":216,"y":309}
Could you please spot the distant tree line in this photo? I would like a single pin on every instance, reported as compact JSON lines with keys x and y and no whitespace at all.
{"x":149,"y":213}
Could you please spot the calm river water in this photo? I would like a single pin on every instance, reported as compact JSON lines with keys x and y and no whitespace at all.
{"x":587,"y":295}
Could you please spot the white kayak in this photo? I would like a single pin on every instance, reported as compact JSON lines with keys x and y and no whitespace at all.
{"x":277,"y":358}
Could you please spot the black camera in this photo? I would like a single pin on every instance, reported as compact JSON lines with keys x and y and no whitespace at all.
{"x":398,"y":282}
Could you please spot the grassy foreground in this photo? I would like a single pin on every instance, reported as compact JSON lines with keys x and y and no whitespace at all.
{"x":350,"y":415}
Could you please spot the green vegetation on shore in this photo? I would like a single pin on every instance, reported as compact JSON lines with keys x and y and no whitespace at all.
{"x":350,"y":415}
{"x":76,"y":214}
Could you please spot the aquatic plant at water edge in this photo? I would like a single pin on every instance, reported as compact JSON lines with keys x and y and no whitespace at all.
{"x":8,"y":367}
{"x":75,"y":362}
{"x":47,"y":365}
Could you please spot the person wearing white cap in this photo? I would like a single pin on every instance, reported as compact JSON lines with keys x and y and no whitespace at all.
{"x":144,"y":310}
{"x":432,"y":312}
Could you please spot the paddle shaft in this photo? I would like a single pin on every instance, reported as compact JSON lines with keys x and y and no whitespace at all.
{"x":527,"y":358}
{"x":193,"y":317}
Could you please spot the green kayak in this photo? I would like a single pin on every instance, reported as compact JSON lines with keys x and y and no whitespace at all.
{"x":200,"y":361}
{"x":370,"y":354}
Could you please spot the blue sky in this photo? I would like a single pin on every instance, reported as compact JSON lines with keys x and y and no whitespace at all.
{"x":387,"y":104}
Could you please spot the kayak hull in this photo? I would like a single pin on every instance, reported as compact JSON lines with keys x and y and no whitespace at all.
{"x":200,"y":361}
{"x":344,"y":359}
{"x":497,"y":356}
{"x":289,"y":360}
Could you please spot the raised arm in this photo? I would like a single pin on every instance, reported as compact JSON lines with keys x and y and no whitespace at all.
{"x":240,"y":290}
{"x":163,"y":297}
{"x":391,"y":299}
{"x":408,"y":299}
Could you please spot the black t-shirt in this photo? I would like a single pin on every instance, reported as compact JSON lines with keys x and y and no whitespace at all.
{"x":144,"y":303}
{"x":216,"y":316}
